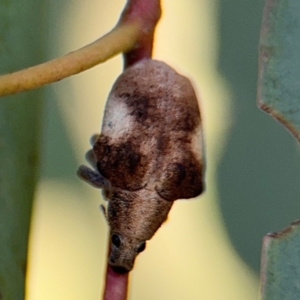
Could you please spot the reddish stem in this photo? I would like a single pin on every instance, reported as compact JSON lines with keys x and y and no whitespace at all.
{"x":147,"y":13}
{"x":115,"y":285}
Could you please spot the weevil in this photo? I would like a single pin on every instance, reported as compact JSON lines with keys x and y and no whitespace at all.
{"x":149,"y":154}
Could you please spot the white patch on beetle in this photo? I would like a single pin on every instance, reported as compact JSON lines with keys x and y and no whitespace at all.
{"x":149,"y":154}
{"x":119,"y":123}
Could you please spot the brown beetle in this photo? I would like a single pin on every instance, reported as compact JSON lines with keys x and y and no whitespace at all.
{"x":149,"y":154}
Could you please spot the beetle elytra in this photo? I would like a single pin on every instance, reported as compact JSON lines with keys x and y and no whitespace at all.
{"x":149,"y":154}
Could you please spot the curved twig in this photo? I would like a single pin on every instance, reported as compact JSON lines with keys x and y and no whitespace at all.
{"x":120,"y":39}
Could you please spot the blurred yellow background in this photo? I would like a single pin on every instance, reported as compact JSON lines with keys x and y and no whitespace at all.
{"x":191,"y":256}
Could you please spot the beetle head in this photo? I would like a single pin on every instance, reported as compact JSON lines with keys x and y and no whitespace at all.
{"x":133,"y":218}
{"x":123,"y":251}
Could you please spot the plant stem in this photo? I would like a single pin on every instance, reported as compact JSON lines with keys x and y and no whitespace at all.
{"x":115,"y":285}
{"x":147,"y":13}
{"x":120,"y":39}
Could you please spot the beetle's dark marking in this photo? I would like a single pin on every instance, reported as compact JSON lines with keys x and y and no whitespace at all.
{"x":159,"y":106}
{"x":121,"y":164}
{"x":181,"y":180}
{"x":163,"y":143}
{"x":179,"y":173}
{"x":140,"y":107}
{"x":189,"y":121}
{"x":143,"y":108}
{"x":106,"y":149}
{"x":124,"y":95}
{"x":133,"y":161}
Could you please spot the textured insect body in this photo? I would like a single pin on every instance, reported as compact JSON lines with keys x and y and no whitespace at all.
{"x":149,"y":154}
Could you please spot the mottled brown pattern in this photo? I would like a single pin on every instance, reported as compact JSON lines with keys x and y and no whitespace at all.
{"x":158,"y":97}
{"x":134,"y":217}
{"x":149,"y":154}
{"x":121,"y":163}
{"x":164,"y":108}
{"x":180,"y":180}
{"x":135,"y":211}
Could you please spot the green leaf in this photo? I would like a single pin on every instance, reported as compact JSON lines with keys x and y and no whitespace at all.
{"x":279,"y":95}
{"x":280,"y":271}
{"x":19,"y":143}
{"x":279,"y":63}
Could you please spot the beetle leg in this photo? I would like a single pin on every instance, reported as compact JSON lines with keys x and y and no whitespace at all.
{"x":92,"y":177}
{"x":103,"y":210}
{"x":94,"y":138}
{"x":91,"y":158}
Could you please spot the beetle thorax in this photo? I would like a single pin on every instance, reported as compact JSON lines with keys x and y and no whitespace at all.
{"x":137,"y":214}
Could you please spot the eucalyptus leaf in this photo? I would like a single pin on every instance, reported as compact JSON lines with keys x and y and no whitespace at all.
{"x":280,"y":271}
{"x":279,"y":63}
{"x":20,"y":44}
{"x":279,"y":95}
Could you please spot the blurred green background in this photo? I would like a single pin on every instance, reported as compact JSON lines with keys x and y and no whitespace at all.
{"x":210,"y":247}
{"x":258,"y":177}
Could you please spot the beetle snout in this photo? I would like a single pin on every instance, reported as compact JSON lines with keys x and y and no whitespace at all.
{"x":123,"y":252}
{"x":121,"y":266}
